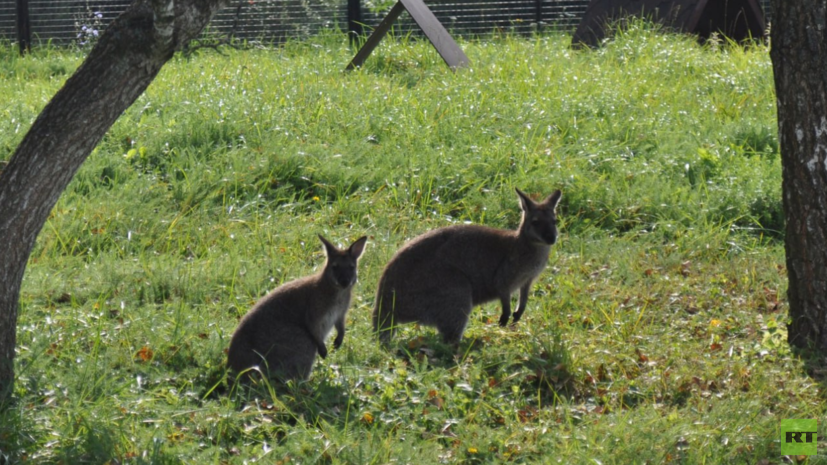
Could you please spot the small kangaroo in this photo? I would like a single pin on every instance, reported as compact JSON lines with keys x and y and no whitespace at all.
{"x":286,"y":328}
{"x":438,"y":277}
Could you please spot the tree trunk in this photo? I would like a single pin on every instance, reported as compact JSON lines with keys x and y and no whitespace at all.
{"x":126,"y":59}
{"x":799,"y":58}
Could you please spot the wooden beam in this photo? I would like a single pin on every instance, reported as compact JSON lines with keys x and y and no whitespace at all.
{"x":375,"y":37}
{"x":435,"y":32}
{"x":440,"y":38}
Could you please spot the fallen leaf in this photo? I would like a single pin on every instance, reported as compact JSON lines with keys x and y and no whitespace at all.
{"x":641,"y":356}
{"x":145,"y":354}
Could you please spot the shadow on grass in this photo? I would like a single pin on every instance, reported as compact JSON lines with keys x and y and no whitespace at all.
{"x":320,"y":399}
{"x":429,"y":348}
{"x":90,"y":440}
{"x":544,"y":369}
{"x":551,"y":375}
{"x":12,"y":435}
{"x":815,"y":365}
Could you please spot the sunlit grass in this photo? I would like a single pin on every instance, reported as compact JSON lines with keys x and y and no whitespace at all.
{"x":657,"y":333}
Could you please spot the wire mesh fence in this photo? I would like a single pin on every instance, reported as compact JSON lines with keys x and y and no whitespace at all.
{"x":274,"y":21}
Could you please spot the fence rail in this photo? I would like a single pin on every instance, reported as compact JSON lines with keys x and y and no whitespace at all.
{"x":77,"y":21}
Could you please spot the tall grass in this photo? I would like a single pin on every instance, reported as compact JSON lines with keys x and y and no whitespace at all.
{"x":656,"y":335}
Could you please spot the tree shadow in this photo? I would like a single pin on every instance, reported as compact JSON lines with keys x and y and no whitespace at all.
{"x":815,"y":365}
{"x":11,"y":430}
{"x":92,"y":440}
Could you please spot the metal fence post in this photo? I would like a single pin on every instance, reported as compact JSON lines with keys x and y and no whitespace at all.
{"x":24,"y":27}
{"x":538,"y":11}
{"x":355,"y":21}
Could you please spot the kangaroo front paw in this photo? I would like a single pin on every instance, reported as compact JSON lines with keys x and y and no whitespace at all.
{"x":323,"y":352}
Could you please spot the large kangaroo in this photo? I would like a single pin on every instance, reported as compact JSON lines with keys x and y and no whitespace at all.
{"x":285,"y":330}
{"x":438,"y":277}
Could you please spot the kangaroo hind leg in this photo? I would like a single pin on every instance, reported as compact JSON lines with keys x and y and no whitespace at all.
{"x":456,"y":309}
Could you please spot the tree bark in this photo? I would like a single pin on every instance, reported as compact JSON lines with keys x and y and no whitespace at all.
{"x":799,"y":58}
{"x":127,"y":57}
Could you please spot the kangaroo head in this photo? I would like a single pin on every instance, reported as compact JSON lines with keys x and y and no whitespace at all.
{"x":341,"y":264}
{"x":539,"y":222}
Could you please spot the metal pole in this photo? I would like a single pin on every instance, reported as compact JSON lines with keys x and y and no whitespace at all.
{"x":24,"y":28}
{"x":538,"y":12}
{"x":355,"y":22}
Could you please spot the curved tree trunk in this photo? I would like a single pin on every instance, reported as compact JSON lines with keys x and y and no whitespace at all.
{"x":799,"y":57}
{"x":119,"y":68}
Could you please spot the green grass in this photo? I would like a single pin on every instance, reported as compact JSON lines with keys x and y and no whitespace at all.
{"x":655,"y":335}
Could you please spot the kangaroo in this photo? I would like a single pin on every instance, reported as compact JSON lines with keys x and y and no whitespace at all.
{"x":438,"y":277}
{"x":285,"y":330}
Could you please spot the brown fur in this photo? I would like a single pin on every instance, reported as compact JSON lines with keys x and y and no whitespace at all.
{"x":285,"y":330}
{"x":438,"y":277}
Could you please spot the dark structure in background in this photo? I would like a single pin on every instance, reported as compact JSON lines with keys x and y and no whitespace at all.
{"x":355,"y":21}
{"x":736,"y":19}
{"x":435,"y":32}
{"x":65,"y":22}
{"x":24,"y":27}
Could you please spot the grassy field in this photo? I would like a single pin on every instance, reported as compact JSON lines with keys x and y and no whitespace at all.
{"x":655,"y":335}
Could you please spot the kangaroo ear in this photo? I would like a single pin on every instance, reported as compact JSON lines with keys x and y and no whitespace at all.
{"x":554,"y":198}
{"x":358,"y":247}
{"x":526,"y":204}
{"x":329,"y":248}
